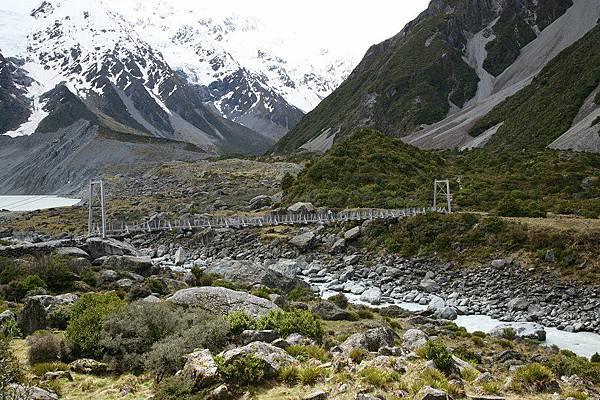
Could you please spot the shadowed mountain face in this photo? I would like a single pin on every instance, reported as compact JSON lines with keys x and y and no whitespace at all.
{"x":449,"y":68}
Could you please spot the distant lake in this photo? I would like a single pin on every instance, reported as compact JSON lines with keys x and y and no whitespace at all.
{"x":31,"y":203}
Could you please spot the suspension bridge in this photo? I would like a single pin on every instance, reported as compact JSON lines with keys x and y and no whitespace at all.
{"x":189,"y":223}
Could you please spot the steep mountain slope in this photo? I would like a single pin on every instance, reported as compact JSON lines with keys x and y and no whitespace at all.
{"x":14,"y":105}
{"x":250,"y":72}
{"x":445,"y":70}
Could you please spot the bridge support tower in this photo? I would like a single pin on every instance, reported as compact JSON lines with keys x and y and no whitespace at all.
{"x":441,"y":189}
{"x":96,"y":202}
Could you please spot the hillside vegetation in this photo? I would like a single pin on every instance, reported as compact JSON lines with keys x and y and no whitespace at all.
{"x":544,"y":110}
{"x":370,"y":169}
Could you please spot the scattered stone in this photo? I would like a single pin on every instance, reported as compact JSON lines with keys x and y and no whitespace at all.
{"x":318,"y":395}
{"x":55,"y":375}
{"x":200,"y":368}
{"x":72,"y":252}
{"x":301,"y":208}
{"x":429,"y":393}
{"x":151,"y":299}
{"x":126,"y":390}
{"x":220,"y":393}
{"x":329,"y":311}
{"x":413,"y":339}
{"x":523,"y":330}
{"x":371,"y":296}
{"x":274,"y":357}
{"x":180,"y":256}
{"x":101,"y":247}
{"x":249,"y":336}
{"x":139,"y":265}
{"x":222,"y":301}
{"x":303,"y":241}
{"x":429,"y":285}
{"x":88,"y":366}
{"x":518,"y":304}
{"x":108,"y":276}
{"x":352,"y":234}
{"x":22,"y":392}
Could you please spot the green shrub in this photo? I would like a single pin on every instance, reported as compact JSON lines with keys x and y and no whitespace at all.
{"x":19,"y":289}
{"x":85,"y":325}
{"x":240,"y":321}
{"x":437,"y":380}
{"x":309,"y":374}
{"x":289,"y":374}
{"x":56,"y":271}
{"x":224,"y":283}
{"x":464,"y":353}
{"x":357,"y":355}
{"x":479,"y":334}
{"x":10,"y":370}
{"x":378,"y":377}
{"x":285,"y":323}
{"x":339,"y":300}
{"x":245,"y":371}
{"x":10,"y":329}
{"x":44,"y":347}
{"x":491,"y":387}
{"x":175,"y":388}
{"x":89,"y":277}
{"x":534,"y":377}
{"x":167,"y":356}
{"x":138,"y":291}
{"x":9,"y":270}
{"x":40,"y":369}
{"x":59,"y":317}
{"x":303,"y":353}
{"x":568,"y":365}
{"x":261,"y":292}
{"x":300,"y":294}
{"x":595,"y":358}
{"x":436,"y":351}
{"x":509,"y":334}
{"x":364,"y":313}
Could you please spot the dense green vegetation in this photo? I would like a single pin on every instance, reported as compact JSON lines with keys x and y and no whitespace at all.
{"x":549,"y":10}
{"x":401,"y":84}
{"x":467,"y":237}
{"x":373,"y":170}
{"x":512,"y":34}
{"x":544,"y":110}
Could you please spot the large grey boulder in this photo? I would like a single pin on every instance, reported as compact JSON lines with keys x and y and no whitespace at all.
{"x":301,"y":208}
{"x":429,"y":393}
{"x":413,"y":339}
{"x":274,"y":357}
{"x":72,"y":252}
{"x":303,"y":241}
{"x":260,"y":202}
{"x":352,"y":234}
{"x":523,"y":330}
{"x":7,"y":315}
{"x":180,"y":256}
{"x":249,"y":273}
{"x":371,"y":296}
{"x":289,"y":268}
{"x":101,"y":247}
{"x":429,"y":285}
{"x":22,"y":392}
{"x":34,"y":315}
{"x":139,"y":265}
{"x":371,"y":340}
{"x":222,"y":301}
{"x":518,"y":304}
{"x":200,"y":368}
{"x":329,"y":311}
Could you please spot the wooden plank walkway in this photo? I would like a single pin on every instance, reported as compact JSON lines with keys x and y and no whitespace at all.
{"x":246,"y":221}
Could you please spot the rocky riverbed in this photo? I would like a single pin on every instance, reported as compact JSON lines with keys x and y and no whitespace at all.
{"x":503,"y":289}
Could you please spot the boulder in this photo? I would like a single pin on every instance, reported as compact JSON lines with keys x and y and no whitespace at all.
{"x":101,"y":247}
{"x":72,"y":252}
{"x":413,"y":339}
{"x":249,"y":336}
{"x":108,"y":276}
{"x":301,"y":208}
{"x":34,"y":315}
{"x":338,"y":245}
{"x":329,"y":311}
{"x":318,"y":395}
{"x":55,"y":375}
{"x":88,"y":366}
{"x":523,"y":330}
{"x":22,"y":392}
{"x":274,"y":357}
{"x":371,"y":296}
{"x":139,"y":265}
{"x":429,"y":393}
{"x":189,"y":279}
{"x":222,"y":301}
{"x":518,"y":304}
{"x":260,"y":202}
{"x":289,"y":268}
{"x":249,"y":273}
{"x":429,"y":285}
{"x":200,"y":368}
{"x":371,"y":340}
{"x":6,"y":315}
{"x":446,"y":312}
{"x":303,"y":241}
{"x":384,"y":363}
{"x":151,"y":299}
{"x":352,"y":234}
{"x":180,"y":256}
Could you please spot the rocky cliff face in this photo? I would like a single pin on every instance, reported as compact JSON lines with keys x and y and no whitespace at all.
{"x":445,"y":70}
{"x":14,"y":105}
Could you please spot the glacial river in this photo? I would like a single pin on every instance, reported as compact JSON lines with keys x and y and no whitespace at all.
{"x":582,"y":343}
{"x":31,"y":203}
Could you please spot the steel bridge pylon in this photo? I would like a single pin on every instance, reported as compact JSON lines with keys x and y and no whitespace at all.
{"x":96,"y":202}
{"x":441,"y":188}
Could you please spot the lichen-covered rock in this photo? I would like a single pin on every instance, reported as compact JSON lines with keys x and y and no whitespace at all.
{"x":274,"y":357}
{"x":34,"y":315}
{"x":222,"y":301}
{"x":413,"y":339}
{"x":329,"y":311}
{"x":200,"y":368}
{"x":101,"y":247}
{"x":88,"y":366}
{"x":429,"y":393}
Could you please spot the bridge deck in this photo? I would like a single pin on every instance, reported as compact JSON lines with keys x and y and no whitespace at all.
{"x":245,"y":221}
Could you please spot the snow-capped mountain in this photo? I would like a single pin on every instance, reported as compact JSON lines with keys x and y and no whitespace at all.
{"x":250,"y":75}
